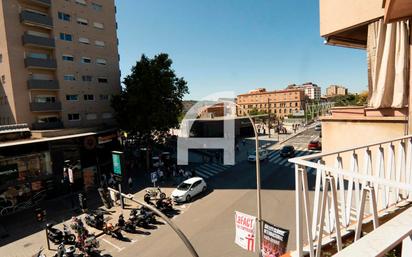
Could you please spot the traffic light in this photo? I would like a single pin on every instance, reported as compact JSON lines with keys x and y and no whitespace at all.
{"x":40,"y":214}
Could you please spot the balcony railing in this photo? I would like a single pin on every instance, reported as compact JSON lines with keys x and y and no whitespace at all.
{"x":40,"y":63}
{"x":45,"y":107}
{"x":379,"y":175}
{"x":35,"y":19}
{"x":40,"y":84}
{"x":30,"y":40}
{"x":46,"y":3}
{"x":47,"y":125}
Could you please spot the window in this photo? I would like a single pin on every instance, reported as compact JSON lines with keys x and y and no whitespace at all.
{"x":82,"y":21}
{"x":69,"y":77}
{"x":66,"y":37}
{"x":86,"y":60}
{"x":88,"y":97}
{"x":99,"y":43}
{"x":38,"y":56}
{"x":81,"y":2}
{"x":84,"y":40}
{"x":104,"y":97}
{"x":91,"y":116}
{"x":37,"y":34}
{"x":73,"y":116}
{"x":102,"y":80}
{"x":107,"y":115}
{"x":72,"y":97}
{"x":47,"y":119}
{"x":101,"y":61}
{"x":1,"y":58}
{"x":67,"y":57}
{"x":98,"y":25}
{"x":97,"y":7}
{"x":87,"y":78}
{"x":44,"y":99}
{"x":64,"y":16}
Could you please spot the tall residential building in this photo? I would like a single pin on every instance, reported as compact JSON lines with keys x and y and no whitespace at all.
{"x":312,"y":91}
{"x":59,"y":63}
{"x":333,"y":90}
{"x":281,"y":103}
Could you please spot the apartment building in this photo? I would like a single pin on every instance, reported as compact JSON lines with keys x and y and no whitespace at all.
{"x":312,"y":91}
{"x":59,"y":63}
{"x":280,"y":103}
{"x":334,"y":90}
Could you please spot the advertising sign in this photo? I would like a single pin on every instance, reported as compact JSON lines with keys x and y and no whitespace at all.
{"x":117,"y":163}
{"x":245,"y":231}
{"x":274,"y":241}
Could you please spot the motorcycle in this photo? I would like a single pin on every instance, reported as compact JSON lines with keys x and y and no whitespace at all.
{"x":153,"y":193}
{"x":95,"y":220}
{"x":90,"y":246}
{"x":62,"y":251}
{"x":115,"y":232}
{"x":147,"y":214}
{"x":164,"y":205}
{"x":57,"y":236}
{"x":138,"y":220}
{"x":125,"y":225}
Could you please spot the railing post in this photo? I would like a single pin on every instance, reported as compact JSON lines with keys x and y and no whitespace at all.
{"x":380,"y":173}
{"x":400,"y":167}
{"x":390,"y":174}
{"x":354,"y":168}
{"x":316,"y":201}
{"x":407,"y":246}
{"x":408,"y":165}
{"x":298,"y":196}
{"x":341,"y":183}
{"x":335,"y":208}
{"x":307,"y":208}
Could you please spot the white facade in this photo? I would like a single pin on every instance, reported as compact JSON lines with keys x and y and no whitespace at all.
{"x":312,"y":91}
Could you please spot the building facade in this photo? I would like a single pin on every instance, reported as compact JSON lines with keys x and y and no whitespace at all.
{"x":59,"y":63}
{"x":280,"y":103}
{"x":333,"y":90}
{"x":312,"y":91}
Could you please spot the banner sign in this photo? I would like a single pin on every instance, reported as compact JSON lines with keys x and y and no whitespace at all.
{"x":245,"y":231}
{"x":117,"y":158}
{"x":275,"y":240}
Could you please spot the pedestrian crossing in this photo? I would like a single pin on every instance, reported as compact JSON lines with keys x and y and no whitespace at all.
{"x":275,"y":157}
{"x":210,"y":169}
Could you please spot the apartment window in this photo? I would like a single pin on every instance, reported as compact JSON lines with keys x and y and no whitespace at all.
{"x":82,"y":21}
{"x":66,"y":37}
{"x":47,"y":119}
{"x":88,"y":97}
{"x":38,"y":56}
{"x":81,"y":2}
{"x":44,"y":99}
{"x":72,"y":97}
{"x":37,"y":34}
{"x":87,"y":78}
{"x":104,"y":97}
{"x":1,"y":58}
{"x":63,"y":16}
{"x":67,"y":57}
{"x":101,"y":61}
{"x":91,"y":116}
{"x":84,"y":40}
{"x":69,"y":77}
{"x":107,"y":115}
{"x":86,"y":60}
{"x":73,"y":116}
{"x":102,"y":80}
{"x":97,"y":7}
{"x":98,"y":25}
{"x":99,"y":43}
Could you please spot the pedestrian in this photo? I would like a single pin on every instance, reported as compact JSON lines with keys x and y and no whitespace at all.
{"x":130,"y":182}
{"x":244,"y":142}
{"x":237,"y":148}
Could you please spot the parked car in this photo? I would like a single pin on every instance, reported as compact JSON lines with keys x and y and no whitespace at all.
{"x":315,"y":145}
{"x":263,"y":154}
{"x":318,"y":127}
{"x":287,"y":151}
{"x":188,"y":189}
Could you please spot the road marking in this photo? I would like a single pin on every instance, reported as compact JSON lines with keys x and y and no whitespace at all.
{"x":134,"y":241}
{"x":115,"y":246}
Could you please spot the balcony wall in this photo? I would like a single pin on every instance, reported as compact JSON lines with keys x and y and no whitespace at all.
{"x":43,"y":84}
{"x":30,"y":18}
{"x":46,"y":107}
{"x":38,"y":41}
{"x":40,"y":63}
{"x":46,"y":3}
{"x":47,"y":125}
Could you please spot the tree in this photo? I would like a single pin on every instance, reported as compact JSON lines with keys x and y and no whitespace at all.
{"x":151,"y":101}
{"x":255,"y":111}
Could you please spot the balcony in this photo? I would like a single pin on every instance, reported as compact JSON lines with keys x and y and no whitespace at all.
{"x":45,"y":3}
{"x":46,"y":107}
{"x":49,"y":64}
{"x":30,"y":40}
{"x":47,"y":125}
{"x":35,"y":19}
{"x":38,"y":84}
{"x":355,"y":190}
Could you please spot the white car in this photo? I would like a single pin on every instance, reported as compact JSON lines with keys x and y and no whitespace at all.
{"x":188,"y":189}
{"x":263,"y":154}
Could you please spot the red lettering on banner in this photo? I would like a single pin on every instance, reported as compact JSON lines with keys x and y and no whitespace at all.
{"x":250,"y":242}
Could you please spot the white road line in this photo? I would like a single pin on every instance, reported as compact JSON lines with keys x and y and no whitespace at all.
{"x":213,"y":168}
{"x":115,"y":246}
{"x":200,"y":174}
{"x":283,"y":161}
{"x":210,"y":173}
{"x":220,"y":166}
{"x":272,"y":154}
{"x":276,"y":159}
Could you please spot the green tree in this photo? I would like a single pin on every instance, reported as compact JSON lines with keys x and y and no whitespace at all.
{"x":151,"y":101}
{"x":255,"y":111}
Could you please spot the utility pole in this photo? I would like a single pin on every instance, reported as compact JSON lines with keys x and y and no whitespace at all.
{"x":268,"y":118}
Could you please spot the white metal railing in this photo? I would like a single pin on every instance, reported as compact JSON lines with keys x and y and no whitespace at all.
{"x":378,"y":174}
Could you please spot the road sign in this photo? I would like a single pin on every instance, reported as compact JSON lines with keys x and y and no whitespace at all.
{"x":117,"y":158}
{"x":245,"y":231}
{"x":153,"y":177}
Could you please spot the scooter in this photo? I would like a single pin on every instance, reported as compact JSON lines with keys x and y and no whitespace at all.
{"x":153,"y":193}
{"x":115,"y":232}
{"x":137,"y":219}
{"x":57,"y":236}
{"x":95,"y":220}
{"x":125,"y":225}
{"x":62,"y":251}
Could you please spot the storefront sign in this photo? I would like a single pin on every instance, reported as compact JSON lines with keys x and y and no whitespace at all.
{"x":245,"y":231}
{"x":117,"y":163}
{"x":8,"y":172}
{"x":275,"y":240}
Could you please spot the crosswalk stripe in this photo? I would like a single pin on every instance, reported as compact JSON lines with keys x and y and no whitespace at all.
{"x":206,"y":172}
{"x":201,"y":174}
{"x":283,"y":161}
{"x":277,"y":158}
{"x":288,"y":164}
{"x":214,"y":168}
{"x":219,"y":166}
{"x":272,"y":154}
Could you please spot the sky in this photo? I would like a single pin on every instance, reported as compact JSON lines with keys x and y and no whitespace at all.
{"x":237,"y":45}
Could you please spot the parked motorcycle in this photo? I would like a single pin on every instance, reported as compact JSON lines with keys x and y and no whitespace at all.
{"x":153,"y":193}
{"x":125,"y":225}
{"x":138,"y":220}
{"x":57,"y":236}
{"x":113,"y":231}
{"x":62,"y":251}
{"x":146,"y":214}
{"x":95,"y":220}
{"x":165,"y":204}
{"x":90,"y":246}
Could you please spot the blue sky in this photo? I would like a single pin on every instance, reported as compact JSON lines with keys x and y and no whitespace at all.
{"x":239,"y":45}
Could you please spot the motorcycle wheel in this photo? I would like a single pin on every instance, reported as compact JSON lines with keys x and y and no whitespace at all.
{"x":71,"y":239}
{"x":146,"y":198}
{"x":162,"y":195}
